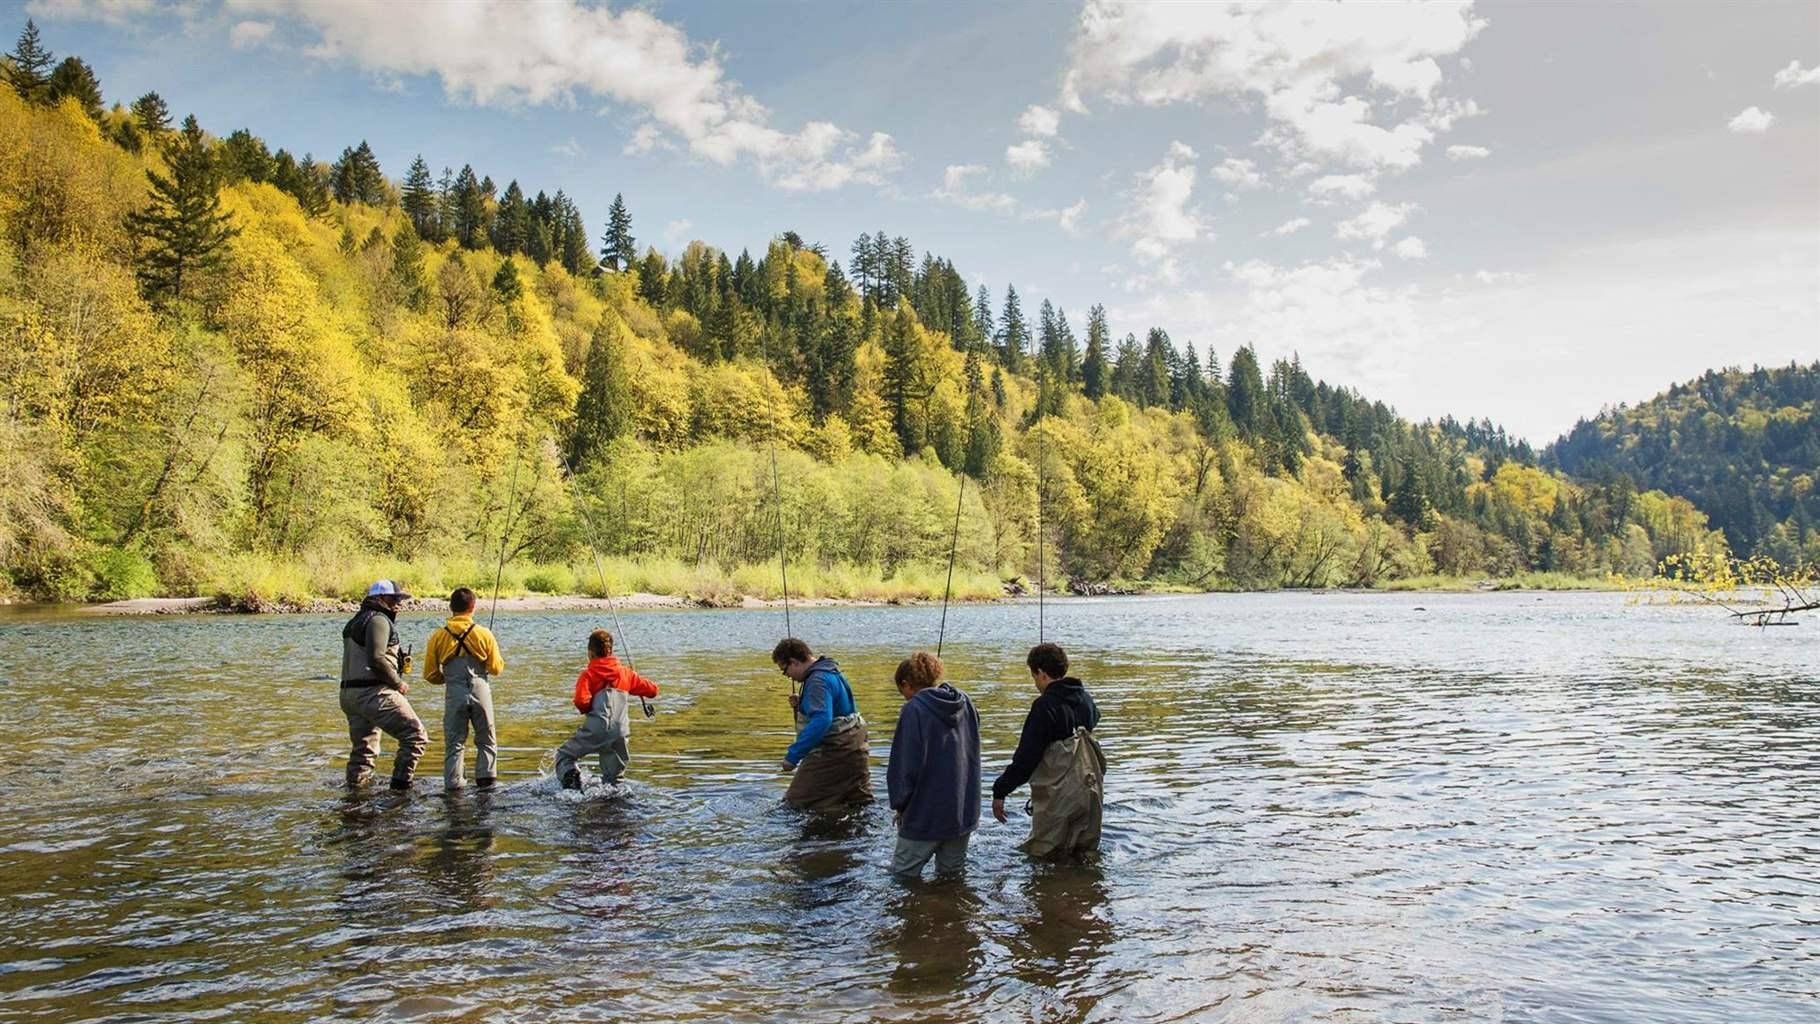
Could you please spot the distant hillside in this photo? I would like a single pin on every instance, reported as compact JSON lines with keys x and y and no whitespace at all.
{"x":1742,"y":446}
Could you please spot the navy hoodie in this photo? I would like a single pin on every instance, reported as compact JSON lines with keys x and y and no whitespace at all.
{"x":934,"y":774}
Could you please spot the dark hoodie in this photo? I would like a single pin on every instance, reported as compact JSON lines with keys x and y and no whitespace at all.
{"x":1053,"y":716}
{"x":934,"y":775}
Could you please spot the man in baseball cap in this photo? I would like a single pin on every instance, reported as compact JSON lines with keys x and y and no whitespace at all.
{"x":373,"y":688}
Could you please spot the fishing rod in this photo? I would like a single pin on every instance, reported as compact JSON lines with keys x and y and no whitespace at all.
{"x":953,"y":542}
{"x":581,"y":506}
{"x":777,"y":500}
{"x":506,"y":530}
{"x":1041,"y":480}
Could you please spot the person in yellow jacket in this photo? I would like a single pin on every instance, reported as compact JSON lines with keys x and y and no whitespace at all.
{"x":462,"y":657}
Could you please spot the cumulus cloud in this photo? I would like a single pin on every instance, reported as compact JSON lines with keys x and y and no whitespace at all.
{"x":1467,"y":152}
{"x":499,"y":53}
{"x":1160,"y":219}
{"x":245,"y":35}
{"x":1027,"y":156}
{"x":1795,"y":75}
{"x":955,"y":189}
{"x":1330,"y":187}
{"x":1751,"y":121}
{"x":1068,"y":218}
{"x":1239,"y":174}
{"x":1039,"y":120}
{"x":1411,"y":248}
{"x":1328,"y":312}
{"x":1306,"y":69}
{"x":1374,"y":224}
{"x":1288,"y":227}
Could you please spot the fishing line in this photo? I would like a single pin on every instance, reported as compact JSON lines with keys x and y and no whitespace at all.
{"x":777,"y":495}
{"x":953,"y":543}
{"x":506,"y":530}
{"x":1041,"y":480}
{"x":606,"y":591}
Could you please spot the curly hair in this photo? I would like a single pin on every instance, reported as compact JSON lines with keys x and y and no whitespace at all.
{"x":600,"y":643}
{"x":919,"y":671}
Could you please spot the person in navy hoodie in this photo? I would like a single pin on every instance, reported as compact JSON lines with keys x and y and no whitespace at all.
{"x":934,"y":774}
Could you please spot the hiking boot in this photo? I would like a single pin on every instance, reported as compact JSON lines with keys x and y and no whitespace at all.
{"x":400,"y":784}
{"x":571,"y":779}
{"x":484,"y":783}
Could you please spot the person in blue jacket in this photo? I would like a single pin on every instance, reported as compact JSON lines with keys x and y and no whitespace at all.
{"x":934,"y":775}
{"x":831,"y":757}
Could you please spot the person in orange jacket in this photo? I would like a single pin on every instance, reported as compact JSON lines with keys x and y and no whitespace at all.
{"x":601,"y":693}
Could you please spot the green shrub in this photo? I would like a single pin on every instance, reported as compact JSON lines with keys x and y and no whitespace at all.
{"x":549,"y":579}
{"x":121,"y":575}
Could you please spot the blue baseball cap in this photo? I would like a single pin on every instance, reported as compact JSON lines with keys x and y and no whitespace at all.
{"x":386,"y":588}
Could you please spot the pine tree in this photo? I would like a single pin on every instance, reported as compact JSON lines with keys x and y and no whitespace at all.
{"x":313,"y":187}
{"x":74,"y":79}
{"x":1125,"y":368}
{"x":604,"y":409}
{"x":183,"y":225}
{"x":356,"y":177}
{"x":418,"y":199}
{"x":902,"y":383}
{"x":1014,"y":332}
{"x":617,"y":247}
{"x":28,"y":66}
{"x":512,"y":224}
{"x":1153,"y":375}
{"x":505,"y":282}
{"x":574,"y":247}
{"x":470,"y":209}
{"x":1245,"y":396}
{"x":983,"y":326}
{"x":243,"y":157}
{"x":1093,"y":368}
{"x":407,"y":267}
{"x":153,"y":116}
{"x":652,"y":277}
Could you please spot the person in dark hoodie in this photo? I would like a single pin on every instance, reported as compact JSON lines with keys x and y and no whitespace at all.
{"x":373,"y":686}
{"x":933,"y":777}
{"x":830,"y":758}
{"x":1058,"y":755}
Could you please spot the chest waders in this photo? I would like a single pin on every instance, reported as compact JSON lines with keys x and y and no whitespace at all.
{"x":603,"y":732}
{"x":467,"y":700}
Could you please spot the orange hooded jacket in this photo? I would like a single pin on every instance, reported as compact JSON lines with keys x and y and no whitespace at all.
{"x":607,"y":673}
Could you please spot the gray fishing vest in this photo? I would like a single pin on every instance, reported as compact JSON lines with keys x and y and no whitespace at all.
{"x":356,"y":660}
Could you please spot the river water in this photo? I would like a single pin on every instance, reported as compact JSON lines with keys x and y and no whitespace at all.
{"x":1320,"y":808}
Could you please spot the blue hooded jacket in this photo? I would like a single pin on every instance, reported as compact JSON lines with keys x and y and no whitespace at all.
{"x":826,"y":696}
{"x":934,"y":774}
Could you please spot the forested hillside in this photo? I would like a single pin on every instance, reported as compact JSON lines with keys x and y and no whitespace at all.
{"x":230,"y":369}
{"x":1744,"y":446}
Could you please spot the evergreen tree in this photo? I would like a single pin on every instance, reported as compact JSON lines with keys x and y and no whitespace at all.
{"x":604,"y":409}
{"x":505,"y":282}
{"x":183,"y":225}
{"x":418,"y":199}
{"x":1153,"y":381}
{"x":617,"y":247}
{"x":469,"y":210}
{"x":1409,"y":502}
{"x":1125,"y":368}
{"x":74,"y":79}
{"x":407,"y":267}
{"x":652,"y":277}
{"x":573,"y":248}
{"x":28,"y":67}
{"x":1014,"y":332}
{"x":1245,"y":397}
{"x":983,"y":329}
{"x":1093,"y":368}
{"x":512,"y":224}
{"x":356,"y":177}
{"x":153,"y":116}
{"x":243,"y":157}
{"x":902,"y":383}
{"x":312,"y":187}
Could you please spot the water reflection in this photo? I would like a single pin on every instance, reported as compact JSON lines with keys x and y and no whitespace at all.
{"x":459,"y":866}
{"x":932,"y":926}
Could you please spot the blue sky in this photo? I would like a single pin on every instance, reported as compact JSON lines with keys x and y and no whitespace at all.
{"x":1521,"y":211}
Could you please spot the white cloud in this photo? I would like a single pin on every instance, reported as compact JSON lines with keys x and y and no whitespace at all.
{"x":1296,"y":59}
{"x":1160,"y":220}
{"x":114,"y":12}
{"x":1795,"y":75}
{"x":246,"y":35}
{"x":1288,"y":227}
{"x":1751,"y":121}
{"x":954,"y":189}
{"x":1411,"y":248}
{"x":646,"y":138}
{"x":1039,"y":120}
{"x":570,"y":149}
{"x":676,"y":233}
{"x":1374,"y":224}
{"x":1239,"y":174}
{"x":500,"y":53}
{"x":1467,"y":152}
{"x":1028,"y":156}
{"x":1068,"y":218}
{"x":1330,"y":187}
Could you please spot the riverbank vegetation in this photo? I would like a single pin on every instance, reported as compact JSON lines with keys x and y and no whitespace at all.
{"x":229,"y":369}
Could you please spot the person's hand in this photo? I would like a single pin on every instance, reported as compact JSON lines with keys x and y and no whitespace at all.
{"x":897,"y":818}
{"x":787,"y":766}
{"x":403,"y":687}
{"x":998,"y":810}
{"x":796,"y":702}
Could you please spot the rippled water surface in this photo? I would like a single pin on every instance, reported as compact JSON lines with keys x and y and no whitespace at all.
{"x":1408,"y":807}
